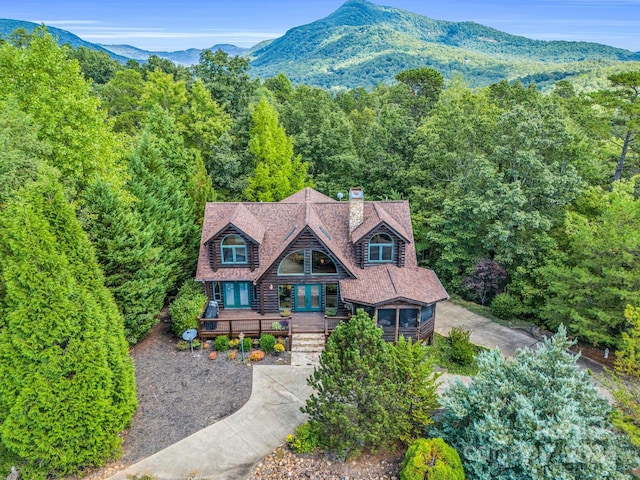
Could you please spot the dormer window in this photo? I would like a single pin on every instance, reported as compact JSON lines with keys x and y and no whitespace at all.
{"x":381,"y":248}
{"x":234,"y":249}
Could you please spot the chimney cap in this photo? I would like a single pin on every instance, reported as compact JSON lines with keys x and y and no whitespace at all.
{"x":356,"y":193}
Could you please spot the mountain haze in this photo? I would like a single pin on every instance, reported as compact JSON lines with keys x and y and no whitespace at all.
{"x":181,"y":57}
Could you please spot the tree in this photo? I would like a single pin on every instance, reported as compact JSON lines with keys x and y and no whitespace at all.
{"x":121,"y":97}
{"x":132,"y":265}
{"x":534,"y":416}
{"x":278,"y":172}
{"x":186,"y":307}
{"x":597,"y":275}
{"x":369,"y":394}
{"x":66,"y":381}
{"x":353,"y":389}
{"x":486,"y":281}
{"x":425,"y":85}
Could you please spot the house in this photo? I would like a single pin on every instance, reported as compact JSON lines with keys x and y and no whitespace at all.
{"x":308,"y":262}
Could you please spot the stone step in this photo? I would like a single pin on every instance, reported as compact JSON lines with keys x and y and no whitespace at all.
{"x":304,"y":359}
{"x":306,"y":348}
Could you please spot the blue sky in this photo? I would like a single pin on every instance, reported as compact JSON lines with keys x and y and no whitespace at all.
{"x":181,"y":24}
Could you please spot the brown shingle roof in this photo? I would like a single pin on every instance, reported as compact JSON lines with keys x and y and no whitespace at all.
{"x":275,"y":225}
{"x":386,"y":283}
{"x":374,"y":215}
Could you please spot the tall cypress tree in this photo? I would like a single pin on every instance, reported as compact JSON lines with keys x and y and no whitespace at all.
{"x":66,"y":382}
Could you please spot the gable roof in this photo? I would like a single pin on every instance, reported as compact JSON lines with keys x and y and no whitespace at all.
{"x":276,"y":225}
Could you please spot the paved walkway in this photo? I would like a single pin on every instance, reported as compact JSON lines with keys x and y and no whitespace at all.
{"x":231,"y":447}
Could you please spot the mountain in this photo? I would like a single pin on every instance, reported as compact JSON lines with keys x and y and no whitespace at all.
{"x":7,"y":27}
{"x":362,"y":44}
{"x":181,"y":57}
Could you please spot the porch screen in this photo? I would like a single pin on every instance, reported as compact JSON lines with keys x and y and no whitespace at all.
{"x":409,"y":317}
{"x":387,"y":317}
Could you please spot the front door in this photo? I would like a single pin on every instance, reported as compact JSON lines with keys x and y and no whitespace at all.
{"x":308,"y":298}
{"x":236,"y":295}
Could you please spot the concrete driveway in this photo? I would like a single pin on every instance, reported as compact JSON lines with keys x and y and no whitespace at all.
{"x":484,"y":332}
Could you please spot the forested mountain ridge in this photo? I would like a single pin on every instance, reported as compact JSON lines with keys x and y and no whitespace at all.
{"x":362,"y":44}
{"x":8,"y":26}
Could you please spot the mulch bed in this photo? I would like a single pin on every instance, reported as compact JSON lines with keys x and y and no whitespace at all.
{"x":179,"y":393}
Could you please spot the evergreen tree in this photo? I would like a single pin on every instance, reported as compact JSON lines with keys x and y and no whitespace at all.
{"x":278,"y":172}
{"x":132,"y":265}
{"x":66,"y":381}
{"x":532,"y":417}
{"x":353,"y":389}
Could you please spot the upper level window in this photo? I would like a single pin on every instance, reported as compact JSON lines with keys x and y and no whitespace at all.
{"x":234,"y":249}
{"x":381,"y":248}
{"x":321,"y":264}
{"x":292,"y":264}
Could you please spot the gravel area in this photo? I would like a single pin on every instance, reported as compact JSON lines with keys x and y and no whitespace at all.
{"x":283,"y":464}
{"x":179,"y":393}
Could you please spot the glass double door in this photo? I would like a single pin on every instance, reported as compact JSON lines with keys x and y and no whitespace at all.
{"x":308,"y":298}
{"x":237,"y":295}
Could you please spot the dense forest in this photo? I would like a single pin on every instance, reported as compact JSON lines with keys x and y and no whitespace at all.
{"x":521,"y":200}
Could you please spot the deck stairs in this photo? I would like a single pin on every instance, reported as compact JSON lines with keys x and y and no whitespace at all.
{"x":306,"y":348}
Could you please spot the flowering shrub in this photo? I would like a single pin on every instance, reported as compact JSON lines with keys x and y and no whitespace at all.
{"x":256,"y":355}
{"x":212,"y":355}
{"x":234,"y":343}
{"x":278,"y":348}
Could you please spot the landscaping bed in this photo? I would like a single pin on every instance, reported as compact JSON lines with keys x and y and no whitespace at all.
{"x":179,"y":393}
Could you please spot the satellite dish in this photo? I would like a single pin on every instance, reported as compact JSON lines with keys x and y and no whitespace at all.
{"x":340,"y":196}
{"x":190,"y":334}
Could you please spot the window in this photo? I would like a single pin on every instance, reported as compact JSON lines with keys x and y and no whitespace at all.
{"x":321,"y":264}
{"x":427,"y":313}
{"x":292,"y":264}
{"x":381,"y":248}
{"x":284,"y":296}
{"x":234,"y":249}
{"x":409,"y":317}
{"x":217,"y":291}
{"x":387,"y":317}
{"x":331,"y":295}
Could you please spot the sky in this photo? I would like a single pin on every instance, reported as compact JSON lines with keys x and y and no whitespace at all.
{"x":169,"y":25}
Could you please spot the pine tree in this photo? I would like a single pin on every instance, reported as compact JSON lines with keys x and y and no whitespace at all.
{"x":278,"y":172}
{"x":66,"y":382}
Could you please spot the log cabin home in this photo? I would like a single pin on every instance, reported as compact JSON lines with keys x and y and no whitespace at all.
{"x":306,"y":263}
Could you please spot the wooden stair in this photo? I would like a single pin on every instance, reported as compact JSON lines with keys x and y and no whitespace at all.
{"x":306,"y":348}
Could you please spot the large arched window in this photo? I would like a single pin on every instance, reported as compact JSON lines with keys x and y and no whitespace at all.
{"x":381,"y":248}
{"x":292,"y":264}
{"x":321,"y":264}
{"x":234,"y":249}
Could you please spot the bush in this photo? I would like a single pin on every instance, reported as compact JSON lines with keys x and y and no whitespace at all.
{"x":256,"y":355}
{"x":506,"y":307}
{"x":232,"y":354}
{"x":222,"y":343}
{"x":536,"y":415}
{"x":246,"y":344}
{"x":462,"y":350}
{"x":278,"y":348}
{"x":431,"y":459}
{"x":305,"y":439}
{"x":267,"y":342}
{"x":186,"y":307}
{"x":183,"y":345}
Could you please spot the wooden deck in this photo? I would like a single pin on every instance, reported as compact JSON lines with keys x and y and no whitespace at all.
{"x":253,"y":324}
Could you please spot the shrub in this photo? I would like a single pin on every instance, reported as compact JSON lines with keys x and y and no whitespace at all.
{"x":233,"y":343}
{"x":186,"y":307}
{"x":222,"y":343}
{"x":267,"y":342}
{"x":278,"y":348}
{"x":213,"y":355}
{"x":232,"y":354}
{"x":462,"y":350}
{"x":305,"y":439}
{"x":506,"y":306}
{"x":256,"y":355}
{"x":246,"y":344}
{"x":431,"y":459}
{"x":535,"y":415}
{"x":183,"y":345}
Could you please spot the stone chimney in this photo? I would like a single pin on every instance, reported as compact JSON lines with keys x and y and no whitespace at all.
{"x":356,"y":208}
